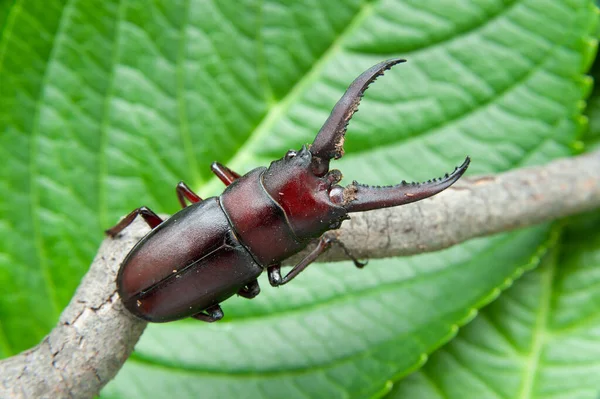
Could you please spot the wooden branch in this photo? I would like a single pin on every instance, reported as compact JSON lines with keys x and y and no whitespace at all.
{"x":93,"y":338}
{"x":95,"y":335}
{"x":474,"y":207}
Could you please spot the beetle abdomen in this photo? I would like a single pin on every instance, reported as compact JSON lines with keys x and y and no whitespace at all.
{"x":185,"y":265}
{"x":207,"y":282}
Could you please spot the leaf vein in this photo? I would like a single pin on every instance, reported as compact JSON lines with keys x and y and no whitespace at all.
{"x":34,"y":203}
{"x":104,"y":123}
{"x":184,"y":128}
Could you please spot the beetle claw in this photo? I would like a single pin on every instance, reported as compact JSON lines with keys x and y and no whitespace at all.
{"x":358,"y":197}
{"x":329,"y":142}
{"x":213,"y":313}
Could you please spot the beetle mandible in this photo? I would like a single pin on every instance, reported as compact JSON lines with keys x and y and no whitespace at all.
{"x":217,"y":247}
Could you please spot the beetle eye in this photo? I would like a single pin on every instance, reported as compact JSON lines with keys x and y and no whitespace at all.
{"x":290,"y":154}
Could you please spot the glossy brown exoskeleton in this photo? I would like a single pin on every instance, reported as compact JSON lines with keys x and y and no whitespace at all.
{"x":217,"y":247}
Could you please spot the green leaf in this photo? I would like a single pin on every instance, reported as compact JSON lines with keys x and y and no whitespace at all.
{"x":5,"y":6}
{"x":539,"y":340}
{"x":312,"y":340}
{"x":592,"y":111}
{"x":106,"y":105}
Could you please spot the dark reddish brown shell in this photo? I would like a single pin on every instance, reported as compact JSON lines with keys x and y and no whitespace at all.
{"x":258,"y":221}
{"x":185,"y":265}
{"x":215,"y":248}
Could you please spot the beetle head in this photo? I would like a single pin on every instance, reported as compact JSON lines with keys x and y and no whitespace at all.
{"x":304,"y":195}
{"x":301,"y":181}
{"x":302,"y":184}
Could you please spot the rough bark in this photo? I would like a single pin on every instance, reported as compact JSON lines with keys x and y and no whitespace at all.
{"x":93,"y":338}
{"x":474,"y":207}
{"x":95,"y":335}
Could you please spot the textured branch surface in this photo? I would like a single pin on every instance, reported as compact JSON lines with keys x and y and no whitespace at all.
{"x":474,"y":207}
{"x":90,"y":343}
{"x":95,"y":335}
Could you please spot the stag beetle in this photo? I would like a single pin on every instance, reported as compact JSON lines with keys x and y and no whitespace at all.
{"x":217,"y":247}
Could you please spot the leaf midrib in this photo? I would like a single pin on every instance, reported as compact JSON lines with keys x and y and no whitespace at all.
{"x":277,"y":109}
{"x":540,"y":332}
{"x":184,"y":128}
{"x":15,"y":9}
{"x":34,"y":196}
{"x":104,"y":123}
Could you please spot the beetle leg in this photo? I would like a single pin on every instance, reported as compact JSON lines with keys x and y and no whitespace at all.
{"x":150,"y":217}
{"x":183,"y":192}
{"x":275,"y":271}
{"x":354,"y":259}
{"x":250,"y":290}
{"x":213,"y":313}
{"x":226,"y":175}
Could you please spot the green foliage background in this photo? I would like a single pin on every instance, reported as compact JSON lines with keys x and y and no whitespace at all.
{"x":105,"y":105}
